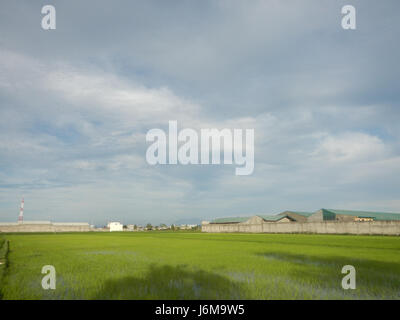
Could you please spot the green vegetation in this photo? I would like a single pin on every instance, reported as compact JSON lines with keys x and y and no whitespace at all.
{"x":190,"y":265}
{"x":3,"y":260}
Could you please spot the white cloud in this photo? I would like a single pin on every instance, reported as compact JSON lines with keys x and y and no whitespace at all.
{"x":350,"y":146}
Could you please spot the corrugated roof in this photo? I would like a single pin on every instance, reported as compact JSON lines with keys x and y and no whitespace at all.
{"x":367,"y":214}
{"x":329,"y":214}
{"x":301,"y":213}
{"x":230,"y":220}
{"x":272,"y":217}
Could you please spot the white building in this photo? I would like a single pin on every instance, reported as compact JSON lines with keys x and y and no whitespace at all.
{"x":115,"y":226}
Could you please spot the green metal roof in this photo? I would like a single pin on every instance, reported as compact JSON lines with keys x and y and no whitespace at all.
{"x":364,"y":214}
{"x":230,"y":220}
{"x":271,"y":218}
{"x":328,"y":214}
{"x":300,"y":213}
{"x":243,"y":219}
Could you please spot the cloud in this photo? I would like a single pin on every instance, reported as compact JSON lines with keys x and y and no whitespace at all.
{"x":76,"y":103}
{"x":350,"y":146}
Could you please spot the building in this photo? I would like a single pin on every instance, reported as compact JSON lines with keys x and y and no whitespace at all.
{"x":322,"y":221}
{"x":286,"y":216}
{"x":299,"y":216}
{"x":352,"y":215}
{"x":130,"y":227}
{"x":115,"y":226}
{"x":230,"y":220}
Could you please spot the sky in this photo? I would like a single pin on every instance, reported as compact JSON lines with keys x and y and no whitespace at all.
{"x":76,"y":104}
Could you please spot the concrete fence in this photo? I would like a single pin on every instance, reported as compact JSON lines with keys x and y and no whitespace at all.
{"x":324,"y":227}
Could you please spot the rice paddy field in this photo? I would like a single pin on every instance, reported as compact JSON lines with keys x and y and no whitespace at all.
{"x":191,"y":265}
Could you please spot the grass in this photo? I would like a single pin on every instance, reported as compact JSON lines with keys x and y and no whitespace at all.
{"x":179,"y":265}
{"x":3,"y":261}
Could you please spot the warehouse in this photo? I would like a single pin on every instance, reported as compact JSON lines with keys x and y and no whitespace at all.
{"x":322,"y":221}
{"x":352,"y":215}
{"x":253,"y":223}
{"x":299,"y":216}
{"x":286,"y":216}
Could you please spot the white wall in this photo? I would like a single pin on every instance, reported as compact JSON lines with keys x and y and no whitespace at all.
{"x":116,"y":226}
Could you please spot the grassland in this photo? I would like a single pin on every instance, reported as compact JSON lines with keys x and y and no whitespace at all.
{"x":179,"y":265}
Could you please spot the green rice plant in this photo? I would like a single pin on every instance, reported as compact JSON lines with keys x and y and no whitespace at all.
{"x":3,"y":261}
{"x":195,"y":265}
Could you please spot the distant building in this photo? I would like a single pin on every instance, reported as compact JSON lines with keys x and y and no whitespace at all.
{"x":352,"y":215}
{"x":115,"y":226}
{"x":321,"y":221}
{"x":187,"y":226}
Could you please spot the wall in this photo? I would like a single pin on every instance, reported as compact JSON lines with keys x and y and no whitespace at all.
{"x":333,"y":227}
{"x":317,"y":216}
{"x":116,"y":226}
{"x":48,"y":227}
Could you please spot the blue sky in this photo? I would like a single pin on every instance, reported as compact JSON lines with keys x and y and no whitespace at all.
{"x":76,"y":103}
